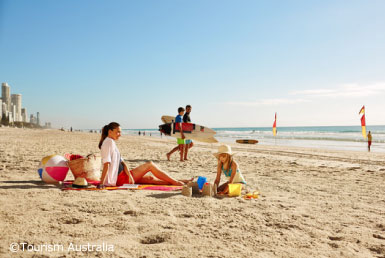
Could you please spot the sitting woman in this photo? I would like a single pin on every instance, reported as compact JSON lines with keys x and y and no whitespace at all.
{"x":115,"y":171}
{"x":227,"y":166}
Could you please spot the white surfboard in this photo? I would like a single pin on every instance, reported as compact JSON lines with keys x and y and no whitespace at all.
{"x":190,"y":130}
{"x":168,"y":119}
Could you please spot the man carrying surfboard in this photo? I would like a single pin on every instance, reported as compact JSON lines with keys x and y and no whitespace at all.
{"x":186,"y":119}
{"x":180,"y":141}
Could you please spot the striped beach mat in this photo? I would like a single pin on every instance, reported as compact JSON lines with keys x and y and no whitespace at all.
{"x":67,"y":185}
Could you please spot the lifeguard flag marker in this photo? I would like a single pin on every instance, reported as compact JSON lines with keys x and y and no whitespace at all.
{"x":275,"y":125}
{"x":363,"y":122}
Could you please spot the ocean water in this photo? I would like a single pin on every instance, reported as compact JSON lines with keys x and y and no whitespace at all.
{"x":326,"y":137}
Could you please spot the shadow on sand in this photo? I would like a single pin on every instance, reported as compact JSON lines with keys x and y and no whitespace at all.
{"x":22,"y":184}
{"x":164,"y":195}
{"x":144,"y":160}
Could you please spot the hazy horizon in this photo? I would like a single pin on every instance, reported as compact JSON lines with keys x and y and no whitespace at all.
{"x":229,"y":127}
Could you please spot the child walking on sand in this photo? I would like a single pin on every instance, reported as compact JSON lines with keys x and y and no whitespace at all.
{"x":228,"y":167}
{"x":180,"y":141}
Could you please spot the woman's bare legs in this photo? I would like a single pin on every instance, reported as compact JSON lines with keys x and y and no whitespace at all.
{"x":151,"y":180}
{"x":148,"y":179}
{"x":139,"y":172}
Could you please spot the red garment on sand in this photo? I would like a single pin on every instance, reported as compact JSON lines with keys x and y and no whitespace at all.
{"x":123,"y":178}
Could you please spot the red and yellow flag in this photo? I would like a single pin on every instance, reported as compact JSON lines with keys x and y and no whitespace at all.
{"x":362,"y":111}
{"x":275,"y":125}
{"x":363,"y":122}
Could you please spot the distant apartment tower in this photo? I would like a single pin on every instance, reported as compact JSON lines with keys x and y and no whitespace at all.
{"x":1,"y":108}
{"x":32,"y":119}
{"x":4,"y":109}
{"x":6,"y":95}
{"x":10,"y":117}
{"x":38,"y":118}
{"x":12,"y":114}
{"x":16,"y":102}
{"x":24,"y":115}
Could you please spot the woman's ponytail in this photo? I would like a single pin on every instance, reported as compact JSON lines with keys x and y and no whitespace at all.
{"x":105,"y":129}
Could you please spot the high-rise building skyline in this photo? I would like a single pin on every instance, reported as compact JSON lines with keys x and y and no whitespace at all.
{"x":16,"y":102}
{"x":32,"y":119}
{"x":4,"y":108}
{"x":13,"y":113}
{"x":6,"y":95}
{"x":11,"y":107}
{"x":24,"y":115}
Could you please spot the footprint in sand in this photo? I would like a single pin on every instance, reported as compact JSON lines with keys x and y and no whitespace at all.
{"x":378,"y":236}
{"x":154,"y":239}
{"x":335,"y":238}
{"x":72,"y":221}
{"x":132,"y":213}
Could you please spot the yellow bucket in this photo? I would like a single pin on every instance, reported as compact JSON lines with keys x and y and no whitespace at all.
{"x":235,"y":189}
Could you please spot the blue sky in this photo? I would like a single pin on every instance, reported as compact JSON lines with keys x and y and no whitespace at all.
{"x":86,"y":63}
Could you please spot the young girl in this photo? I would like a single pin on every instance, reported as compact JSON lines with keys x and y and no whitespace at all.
{"x":115,"y":171}
{"x":229,"y":167}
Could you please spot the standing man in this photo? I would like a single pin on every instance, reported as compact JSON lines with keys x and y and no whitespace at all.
{"x":186,"y":119}
{"x":369,"y":140}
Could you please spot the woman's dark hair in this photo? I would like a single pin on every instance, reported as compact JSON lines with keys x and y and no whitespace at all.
{"x":105,"y":129}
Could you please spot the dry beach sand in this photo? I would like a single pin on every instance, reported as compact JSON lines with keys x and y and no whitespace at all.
{"x":313,"y":203}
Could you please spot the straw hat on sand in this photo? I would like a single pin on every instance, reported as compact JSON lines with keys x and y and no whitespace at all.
{"x":80,"y":182}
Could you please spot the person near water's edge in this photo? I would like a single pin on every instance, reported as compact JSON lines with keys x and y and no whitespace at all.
{"x":369,"y":140}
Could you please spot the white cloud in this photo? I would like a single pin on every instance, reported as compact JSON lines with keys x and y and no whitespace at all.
{"x":306,"y":96}
{"x":344,"y":91}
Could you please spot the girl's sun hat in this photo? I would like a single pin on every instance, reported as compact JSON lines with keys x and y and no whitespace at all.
{"x":223,"y":149}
